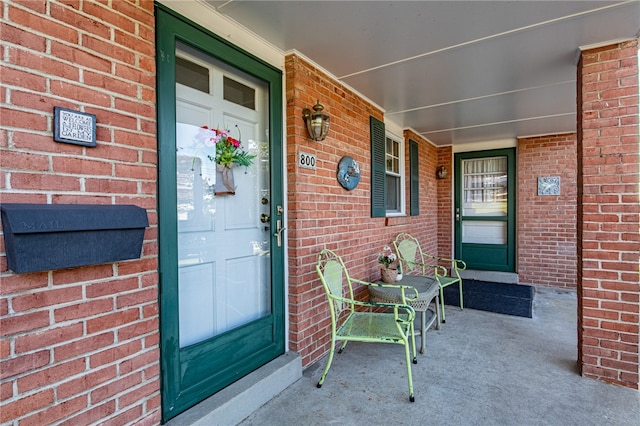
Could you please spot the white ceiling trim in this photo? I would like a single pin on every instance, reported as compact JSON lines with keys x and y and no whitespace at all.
{"x":497,"y":123}
{"x":508,"y":92}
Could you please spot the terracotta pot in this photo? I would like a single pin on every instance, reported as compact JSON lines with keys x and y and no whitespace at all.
{"x":389,"y":275}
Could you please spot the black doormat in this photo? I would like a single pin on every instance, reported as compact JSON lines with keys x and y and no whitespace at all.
{"x":508,"y":299}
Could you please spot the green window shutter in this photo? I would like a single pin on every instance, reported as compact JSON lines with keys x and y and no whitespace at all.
{"x":414,"y":178}
{"x":378,"y":172}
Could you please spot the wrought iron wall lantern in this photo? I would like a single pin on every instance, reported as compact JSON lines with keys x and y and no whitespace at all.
{"x":441,"y":173}
{"x":317,"y":122}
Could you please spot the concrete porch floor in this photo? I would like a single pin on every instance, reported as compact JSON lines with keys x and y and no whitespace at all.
{"x":481,"y":368}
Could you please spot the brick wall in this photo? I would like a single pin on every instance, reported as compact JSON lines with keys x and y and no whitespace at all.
{"x":323,"y":214}
{"x":79,"y":345}
{"x":547,"y":224}
{"x":608,"y":214}
{"x":445,"y":203}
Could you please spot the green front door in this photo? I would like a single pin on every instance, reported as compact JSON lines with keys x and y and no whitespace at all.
{"x":485,"y":209}
{"x":221,"y":262}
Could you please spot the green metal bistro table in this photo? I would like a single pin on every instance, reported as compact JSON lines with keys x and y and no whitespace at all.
{"x":428,"y":290}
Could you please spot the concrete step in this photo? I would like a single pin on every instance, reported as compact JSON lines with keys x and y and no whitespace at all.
{"x":237,"y":401}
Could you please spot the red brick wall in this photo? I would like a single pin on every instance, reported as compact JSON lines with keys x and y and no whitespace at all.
{"x":608,"y":214}
{"x":445,"y":203}
{"x":79,"y":345}
{"x":547,"y":224}
{"x":323,"y":214}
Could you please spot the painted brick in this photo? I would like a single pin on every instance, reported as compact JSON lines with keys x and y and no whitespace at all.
{"x":608,"y":247}
{"x":20,"y":78}
{"x":18,"y":283}
{"x":6,"y":391}
{"x":86,"y":382}
{"x":111,"y":287}
{"x":44,"y":298}
{"x":13,"y":324}
{"x":40,"y":24}
{"x":38,"y":62}
{"x":112,"y":320}
{"x":50,"y":182}
{"x":56,"y":412}
{"x":138,"y":393}
{"x":47,"y":338}
{"x":92,"y":415}
{"x":20,"y":364}
{"x":83,"y":310}
{"x":83,"y":346}
{"x":81,"y":166}
{"x":24,"y":38}
{"x":79,"y":93}
{"x":15,"y":118}
{"x":113,"y":388}
{"x":114,"y":354}
{"x":80,"y":57}
{"x":108,"y":49}
{"x":124,"y":417}
{"x":74,"y":313}
{"x":542,"y":260}
{"x":52,"y":374}
{"x":22,"y":406}
{"x":84,"y":274}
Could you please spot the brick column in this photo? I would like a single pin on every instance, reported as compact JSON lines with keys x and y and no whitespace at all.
{"x":608,"y":214}
{"x":445,"y":204}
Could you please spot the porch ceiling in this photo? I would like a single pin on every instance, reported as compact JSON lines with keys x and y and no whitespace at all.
{"x":454,"y":71}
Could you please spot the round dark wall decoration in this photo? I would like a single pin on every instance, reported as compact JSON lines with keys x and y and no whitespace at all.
{"x":348,"y":173}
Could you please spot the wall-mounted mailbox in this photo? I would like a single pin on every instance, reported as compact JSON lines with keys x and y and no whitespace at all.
{"x":42,"y":237}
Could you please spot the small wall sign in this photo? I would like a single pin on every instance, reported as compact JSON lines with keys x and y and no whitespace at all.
{"x":549,"y":185}
{"x":74,"y":127}
{"x":307,"y":161}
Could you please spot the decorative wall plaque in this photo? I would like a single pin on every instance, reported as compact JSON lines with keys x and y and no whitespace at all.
{"x":74,"y":127}
{"x":549,"y":185}
{"x":348,"y":173}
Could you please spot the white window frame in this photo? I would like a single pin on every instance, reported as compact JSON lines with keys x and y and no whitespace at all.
{"x":401,"y":175}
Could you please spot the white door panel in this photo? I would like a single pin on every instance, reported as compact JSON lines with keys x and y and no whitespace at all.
{"x":196,"y":304}
{"x":223,"y":246}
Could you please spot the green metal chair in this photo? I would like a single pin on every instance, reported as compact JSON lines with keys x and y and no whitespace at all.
{"x":414,"y":261}
{"x":356,"y":320}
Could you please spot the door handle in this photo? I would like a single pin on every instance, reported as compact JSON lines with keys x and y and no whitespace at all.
{"x":278,"y":233}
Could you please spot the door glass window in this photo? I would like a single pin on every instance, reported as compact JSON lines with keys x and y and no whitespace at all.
{"x":484,"y":194}
{"x":239,"y":93}
{"x":484,"y":187}
{"x":192,"y":75}
{"x":224,"y":275}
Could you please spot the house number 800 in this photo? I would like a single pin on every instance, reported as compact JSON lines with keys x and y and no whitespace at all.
{"x":306,"y":161}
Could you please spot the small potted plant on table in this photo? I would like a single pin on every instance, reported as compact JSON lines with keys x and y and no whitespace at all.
{"x":388,"y":258}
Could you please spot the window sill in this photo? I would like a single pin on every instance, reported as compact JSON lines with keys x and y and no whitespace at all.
{"x":396,"y":220}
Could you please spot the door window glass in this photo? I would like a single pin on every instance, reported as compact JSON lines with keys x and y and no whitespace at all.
{"x":224,"y":275}
{"x":484,"y":188}
{"x":192,"y":75}
{"x":239,"y":93}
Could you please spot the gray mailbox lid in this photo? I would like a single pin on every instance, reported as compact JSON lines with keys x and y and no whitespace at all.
{"x":42,"y":237}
